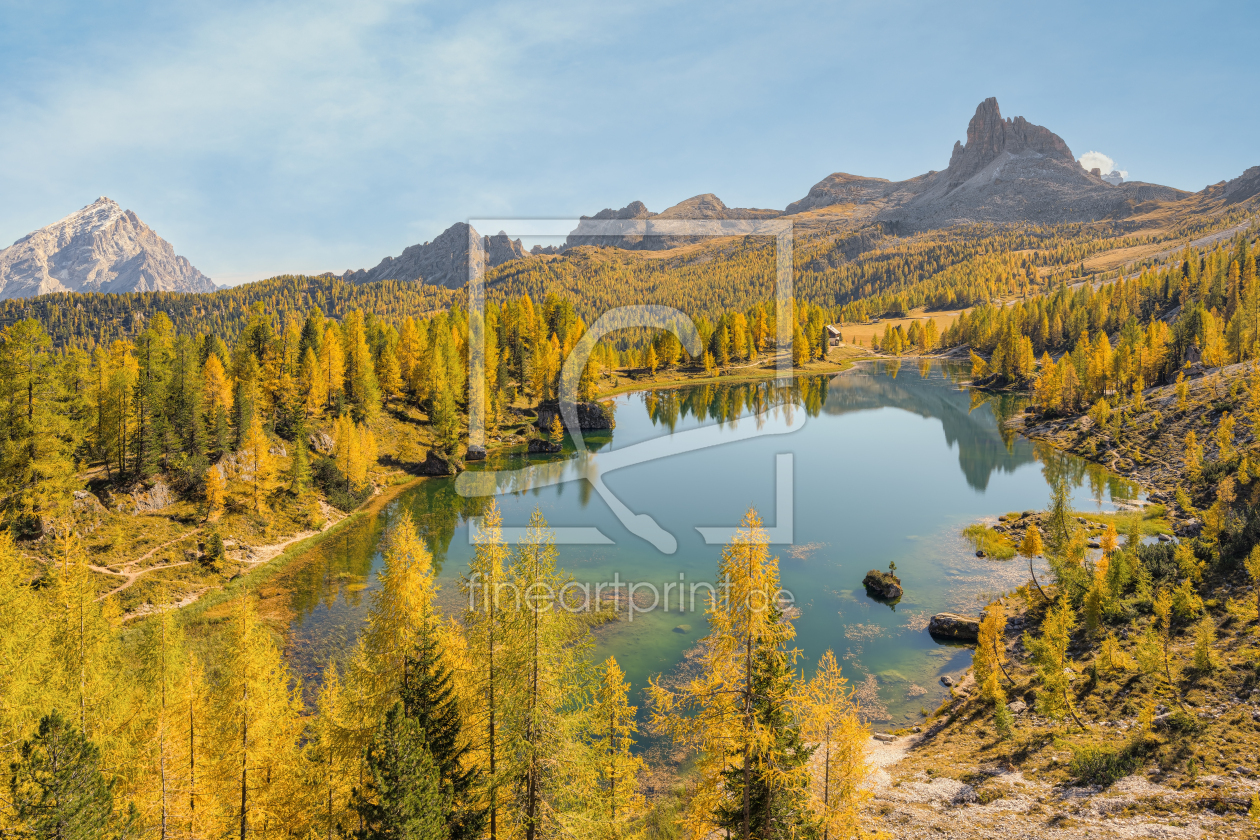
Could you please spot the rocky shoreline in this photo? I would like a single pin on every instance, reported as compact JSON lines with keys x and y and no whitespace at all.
{"x":1151,"y":448}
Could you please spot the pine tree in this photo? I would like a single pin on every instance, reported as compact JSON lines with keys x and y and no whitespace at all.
{"x":36,"y":470}
{"x":766,"y":797}
{"x":57,"y":789}
{"x":405,"y":797}
{"x":300,"y":468}
{"x":428,"y":699}
{"x":444,"y":420}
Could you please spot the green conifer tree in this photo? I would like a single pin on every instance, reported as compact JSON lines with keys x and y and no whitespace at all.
{"x":405,"y":798}
{"x":57,"y":790}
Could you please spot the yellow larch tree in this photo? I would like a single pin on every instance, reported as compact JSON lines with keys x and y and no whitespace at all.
{"x":311,"y":381}
{"x":332,"y":363}
{"x":216,"y":389}
{"x":162,"y":787}
{"x":603,"y":799}
{"x":26,"y":652}
{"x":481,"y":676}
{"x":216,"y":492}
{"x":713,"y":714}
{"x":88,"y":679}
{"x":256,"y":722}
{"x":400,"y":610}
{"x":544,"y":656}
{"x":332,"y":755}
{"x":258,"y":466}
{"x":988,"y":664}
{"x":409,"y":349}
{"x":831,"y":720}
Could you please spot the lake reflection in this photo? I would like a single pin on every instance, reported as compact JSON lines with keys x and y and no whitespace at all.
{"x":889,"y":463}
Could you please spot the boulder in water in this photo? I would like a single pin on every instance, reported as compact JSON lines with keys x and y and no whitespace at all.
{"x":436,"y":464}
{"x":953,"y":626}
{"x":592,"y":416}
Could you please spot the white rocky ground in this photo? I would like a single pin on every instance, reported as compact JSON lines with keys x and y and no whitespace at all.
{"x":915,"y":804}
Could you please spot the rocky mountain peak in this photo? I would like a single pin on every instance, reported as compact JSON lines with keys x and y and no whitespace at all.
{"x":445,"y":260}
{"x":633,"y":210}
{"x":100,"y":248}
{"x":989,"y":136}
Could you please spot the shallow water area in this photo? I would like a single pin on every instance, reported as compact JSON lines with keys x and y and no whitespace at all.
{"x":888,"y":462}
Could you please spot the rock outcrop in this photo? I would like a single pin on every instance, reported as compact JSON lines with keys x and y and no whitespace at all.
{"x":953,"y":626}
{"x":541,"y":446}
{"x":445,"y":260}
{"x":141,"y":499}
{"x":592,"y":416}
{"x":321,"y":442}
{"x":101,"y":248}
{"x":437,"y":465}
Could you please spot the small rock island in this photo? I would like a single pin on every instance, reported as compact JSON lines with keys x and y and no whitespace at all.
{"x":883,"y":585}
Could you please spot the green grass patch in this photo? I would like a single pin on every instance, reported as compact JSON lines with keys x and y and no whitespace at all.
{"x":985,"y":539}
{"x":255,"y":577}
{"x":1104,"y":764}
{"x":1152,"y":520}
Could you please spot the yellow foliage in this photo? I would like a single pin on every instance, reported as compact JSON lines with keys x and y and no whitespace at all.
{"x":216,"y":490}
{"x":831,"y":720}
{"x":258,"y":466}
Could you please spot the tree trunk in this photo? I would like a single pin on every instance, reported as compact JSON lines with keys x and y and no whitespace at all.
{"x":827,"y":785}
{"x":192,"y":771}
{"x":244,"y":760}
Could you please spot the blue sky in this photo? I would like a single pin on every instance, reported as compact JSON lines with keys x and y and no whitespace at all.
{"x":263,"y":138}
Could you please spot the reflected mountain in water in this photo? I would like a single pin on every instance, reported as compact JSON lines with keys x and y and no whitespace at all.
{"x":969,"y":419}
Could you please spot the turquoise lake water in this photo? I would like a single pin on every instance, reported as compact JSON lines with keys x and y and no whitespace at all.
{"x":889,"y":462}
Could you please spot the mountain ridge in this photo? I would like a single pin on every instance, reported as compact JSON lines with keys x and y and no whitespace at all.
{"x":1007,"y":170}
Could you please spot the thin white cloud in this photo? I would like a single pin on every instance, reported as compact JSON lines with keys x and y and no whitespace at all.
{"x":1097,"y":160}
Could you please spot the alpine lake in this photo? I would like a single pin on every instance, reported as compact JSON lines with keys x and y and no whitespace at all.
{"x":889,"y":462}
